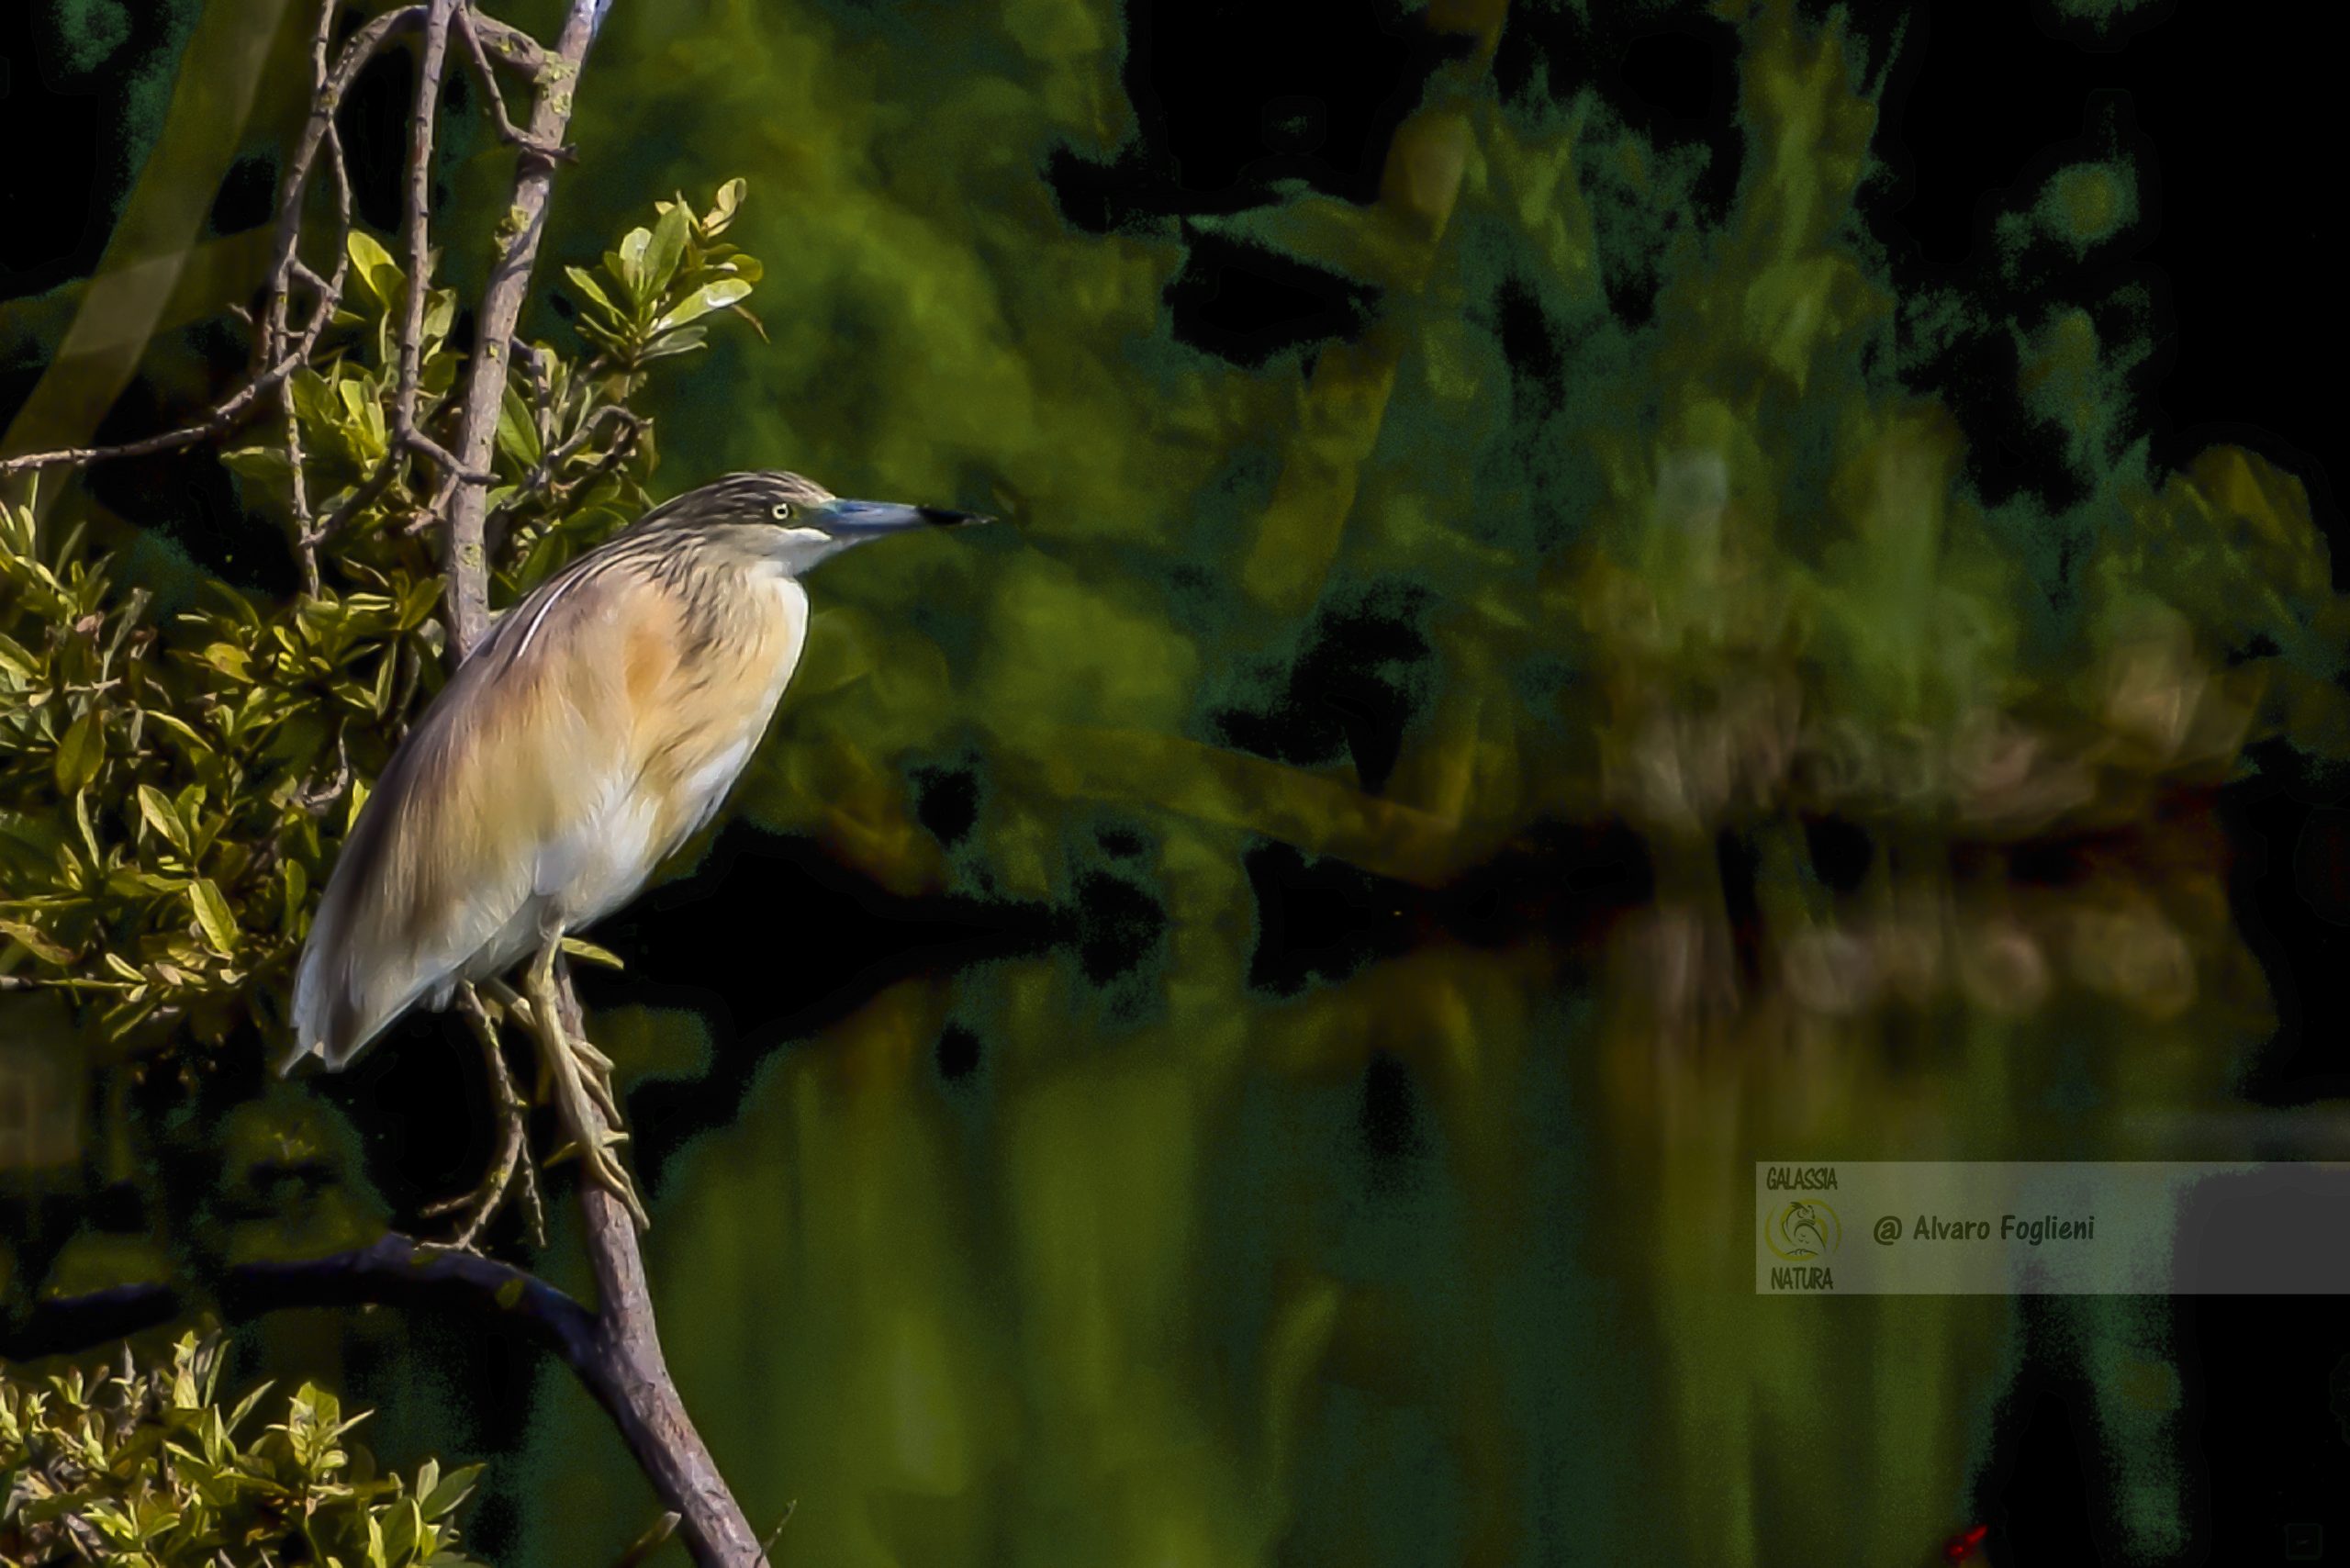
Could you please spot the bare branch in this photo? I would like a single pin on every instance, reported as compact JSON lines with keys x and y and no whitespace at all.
{"x":223,"y":414}
{"x":569,"y":449}
{"x":305,"y":536}
{"x":466,"y":562}
{"x":469,"y":29}
{"x":420,"y":221}
{"x":282,"y":351}
{"x":306,"y":543}
{"x":394,"y":1269}
{"x":651,"y":1416}
{"x":317,"y":132}
{"x":515,"y":49}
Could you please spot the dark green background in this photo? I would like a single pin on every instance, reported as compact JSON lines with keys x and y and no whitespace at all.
{"x":1169,"y":1064}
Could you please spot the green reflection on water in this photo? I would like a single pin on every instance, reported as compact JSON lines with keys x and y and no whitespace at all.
{"x":1449,"y":1263}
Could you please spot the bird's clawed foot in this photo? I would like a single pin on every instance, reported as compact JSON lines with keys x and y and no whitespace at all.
{"x":581,"y":1077}
{"x":509,"y":1169}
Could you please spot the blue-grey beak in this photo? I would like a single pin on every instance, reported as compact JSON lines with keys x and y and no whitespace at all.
{"x":859,"y":521}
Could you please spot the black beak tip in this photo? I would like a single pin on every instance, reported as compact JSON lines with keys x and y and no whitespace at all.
{"x":940,"y":517}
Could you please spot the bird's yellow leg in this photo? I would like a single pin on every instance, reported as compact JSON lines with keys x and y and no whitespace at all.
{"x":503,"y":994}
{"x":508,"y":1168}
{"x":586,"y":1104}
{"x":524,"y":1014}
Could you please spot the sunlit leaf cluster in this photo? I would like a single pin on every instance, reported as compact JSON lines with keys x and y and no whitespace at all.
{"x":144,"y":1467}
{"x":172,"y":792}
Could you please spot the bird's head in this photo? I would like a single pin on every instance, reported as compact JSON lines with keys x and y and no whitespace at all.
{"x":795,"y":520}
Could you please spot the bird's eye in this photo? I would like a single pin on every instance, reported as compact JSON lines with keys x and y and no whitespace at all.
{"x":781,"y":511}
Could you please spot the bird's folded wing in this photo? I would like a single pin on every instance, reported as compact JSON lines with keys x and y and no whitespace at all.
{"x":496,"y":794}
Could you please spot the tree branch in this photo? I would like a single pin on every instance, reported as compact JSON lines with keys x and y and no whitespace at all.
{"x":466,"y":562}
{"x":217,"y":418}
{"x":613,"y":1352}
{"x":470,"y":29}
{"x":615,"y":1349}
{"x":643,"y":1401}
{"x":420,"y":220}
{"x":305,"y":538}
{"x":394,"y":1270}
{"x":630,"y":1375}
{"x":282,"y":350}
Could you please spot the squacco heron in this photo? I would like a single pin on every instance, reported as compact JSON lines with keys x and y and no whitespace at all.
{"x":597,"y":726}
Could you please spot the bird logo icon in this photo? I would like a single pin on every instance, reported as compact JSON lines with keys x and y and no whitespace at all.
{"x":1805,"y":1229}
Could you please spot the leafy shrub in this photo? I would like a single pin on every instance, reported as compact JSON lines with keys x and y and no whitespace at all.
{"x":170,"y":794}
{"x":142,"y":1468}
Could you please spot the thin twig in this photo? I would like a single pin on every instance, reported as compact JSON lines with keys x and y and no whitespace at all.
{"x":541,"y":475}
{"x":305,"y":537}
{"x":217,"y":418}
{"x":320,"y":131}
{"x":544,"y":473}
{"x":420,"y":220}
{"x":405,"y":436}
{"x":469,"y":29}
{"x":306,"y":543}
{"x":515,"y":49}
{"x":387,"y":467}
{"x":281,"y":351}
{"x":394,"y":1270}
{"x":316,"y":800}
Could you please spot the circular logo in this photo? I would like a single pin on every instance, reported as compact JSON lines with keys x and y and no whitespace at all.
{"x":1805,"y":1229}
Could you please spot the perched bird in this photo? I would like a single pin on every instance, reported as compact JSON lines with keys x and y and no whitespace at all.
{"x":597,"y":727}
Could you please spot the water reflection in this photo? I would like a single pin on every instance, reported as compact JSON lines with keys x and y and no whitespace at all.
{"x":1448,"y":1262}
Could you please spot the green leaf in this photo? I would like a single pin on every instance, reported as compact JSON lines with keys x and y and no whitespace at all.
{"x":405,"y":1529}
{"x":36,"y":942}
{"x":581,"y":948}
{"x":257,"y":462}
{"x":586,"y":285}
{"x":81,"y":754}
{"x":628,"y":263}
{"x":667,"y":247}
{"x":356,"y":399}
{"x":684,"y":340}
{"x":518,"y":432}
{"x":377,"y":270}
{"x":452,"y":1490}
{"x":245,"y":1406}
{"x":179,"y":728}
{"x":730,"y":199}
{"x":212,"y":915}
{"x":710,"y":297}
{"x":163,"y":817}
{"x":229,"y":659}
{"x":14,"y":655}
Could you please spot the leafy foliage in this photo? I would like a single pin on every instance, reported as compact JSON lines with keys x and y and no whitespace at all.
{"x":171,"y":794}
{"x":144,"y":1468}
